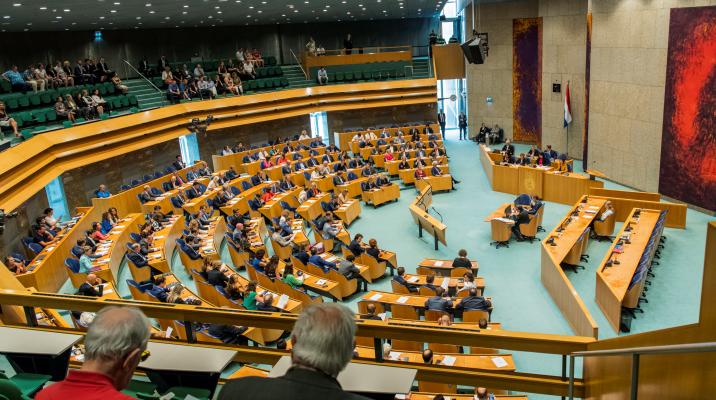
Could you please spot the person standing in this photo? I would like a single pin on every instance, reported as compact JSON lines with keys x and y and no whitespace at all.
{"x":462,"y":124}
{"x":348,"y":44}
{"x":442,"y":121}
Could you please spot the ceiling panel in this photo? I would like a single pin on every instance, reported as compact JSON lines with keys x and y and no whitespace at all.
{"x":55,"y":15}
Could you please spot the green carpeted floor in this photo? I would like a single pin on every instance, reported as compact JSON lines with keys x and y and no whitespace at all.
{"x":512,"y":274}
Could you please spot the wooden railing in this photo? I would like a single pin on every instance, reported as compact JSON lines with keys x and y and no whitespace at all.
{"x":509,"y":340}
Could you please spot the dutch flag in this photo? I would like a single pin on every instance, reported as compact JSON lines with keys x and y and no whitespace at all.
{"x":567,"y":108}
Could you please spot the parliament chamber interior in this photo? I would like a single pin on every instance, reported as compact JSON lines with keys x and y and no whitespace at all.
{"x":386,"y":199}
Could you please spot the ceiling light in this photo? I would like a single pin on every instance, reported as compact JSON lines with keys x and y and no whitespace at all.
{"x":151,"y":11}
{"x":59,"y":17}
{"x":101,"y":17}
{"x":43,"y":8}
{"x":217,"y":7}
{"x":116,"y":3}
{"x":6,"y":16}
{"x":184,"y":12}
{"x":113,"y":11}
{"x":66,"y":10}
{"x":186,"y":6}
{"x":259,"y":11}
{"x":17,"y":4}
{"x":139,"y":17}
{"x":219,"y":12}
{"x":295,"y":11}
{"x":283,"y":15}
{"x":251,"y":7}
{"x":148,"y":5}
{"x":167,"y":17}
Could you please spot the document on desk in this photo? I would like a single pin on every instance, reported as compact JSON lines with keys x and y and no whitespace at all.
{"x":383,"y":316}
{"x":331,"y":258}
{"x":375,"y":297}
{"x":282,"y":301}
{"x":448,"y":360}
{"x":403,"y":299}
{"x":438,"y":263}
{"x":499,"y":362}
{"x":413,"y":279}
{"x":446,"y":282}
{"x":505,"y":220}
{"x":320,"y":282}
{"x":394,"y":356}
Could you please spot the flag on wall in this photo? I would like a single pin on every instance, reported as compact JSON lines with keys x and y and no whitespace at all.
{"x":567,"y":108}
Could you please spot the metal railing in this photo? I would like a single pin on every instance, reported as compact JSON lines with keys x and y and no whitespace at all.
{"x":300,"y":65}
{"x":636,"y":352}
{"x":142,"y":76}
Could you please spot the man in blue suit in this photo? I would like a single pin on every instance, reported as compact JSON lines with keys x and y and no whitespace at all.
{"x":159,"y":289}
{"x":316,"y":259}
{"x":401,"y":280}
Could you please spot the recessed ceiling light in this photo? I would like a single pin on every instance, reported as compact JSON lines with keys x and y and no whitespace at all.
{"x":219,"y":12}
{"x":283,"y":15}
{"x":59,"y":17}
{"x":6,"y":16}
{"x":184,"y":12}
{"x":17,"y":4}
{"x":295,"y":11}
{"x":139,"y":17}
{"x":217,"y":7}
{"x":251,"y":7}
{"x":148,"y":5}
{"x":66,"y":10}
{"x":43,"y":8}
{"x":116,"y":3}
{"x":151,"y":11}
{"x":259,"y":11}
{"x":113,"y":11}
{"x":101,"y":17}
{"x":186,"y":6}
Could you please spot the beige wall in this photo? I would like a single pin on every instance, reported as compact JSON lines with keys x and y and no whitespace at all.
{"x":629,"y":45}
{"x":494,"y":77}
{"x":628,"y":70}
{"x":564,"y":34}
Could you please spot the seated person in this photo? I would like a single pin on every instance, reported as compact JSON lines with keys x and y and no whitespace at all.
{"x":461,"y":260}
{"x":15,"y":265}
{"x":267,"y":304}
{"x":319,"y":261}
{"x":347,"y":267}
{"x":159,"y":289}
{"x":401,"y":280}
{"x":370,"y":313}
{"x":474,"y":302}
{"x":102,"y":192}
{"x":439,"y":302}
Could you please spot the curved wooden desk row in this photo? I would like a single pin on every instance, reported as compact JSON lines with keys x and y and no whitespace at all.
{"x":625,"y":201}
{"x":236,"y":159}
{"x":345,"y":138}
{"x":570,"y":235}
{"x":564,"y":188}
{"x":31,"y":165}
{"x":614,"y":275}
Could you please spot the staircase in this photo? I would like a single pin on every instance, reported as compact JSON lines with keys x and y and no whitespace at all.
{"x":421,"y":68}
{"x":147,"y":95}
{"x":295,"y":77}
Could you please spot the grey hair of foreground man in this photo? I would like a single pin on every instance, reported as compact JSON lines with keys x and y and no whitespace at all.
{"x":323,"y":338}
{"x":114,"y":343}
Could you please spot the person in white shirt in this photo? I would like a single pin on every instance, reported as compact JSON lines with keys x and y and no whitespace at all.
{"x":315,"y":174}
{"x":302,"y":196}
{"x":357,"y":137}
{"x":213,"y":184}
{"x":324,"y":169}
{"x":385,"y":134}
{"x":609,"y":210}
{"x":207,"y":87}
{"x":304,"y":135}
{"x":322,"y":76}
{"x":240,"y":55}
{"x":226,"y":151}
{"x":311,"y":46}
{"x":249,"y":69}
{"x":198,"y":71}
{"x":370,"y":136}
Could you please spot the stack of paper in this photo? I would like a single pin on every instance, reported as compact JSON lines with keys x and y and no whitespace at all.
{"x":375,"y":297}
{"x":282,"y":301}
{"x":446,"y":282}
{"x":413,"y":279}
{"x":321,"y":282}
{"x":448,"y":360}
{"x":394,"y":355}
{"x":438,"y":263}
{"x":403,"y":299}
{"x":499,"y":362}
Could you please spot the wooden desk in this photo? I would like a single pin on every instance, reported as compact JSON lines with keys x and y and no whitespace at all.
{"x":443,"y":267}
{"x":48,"y":272}
{"x":454,"y":284}
{"x":349,"y":211}
{"x":384,"y":194}
{"x":431,"y":396}
{"x":413,"y":300}
{"x":553,"y":277}
{"x":498,"y":213}
{"x":311,"y":208}
{"x":429,"y":223}
{"x":272,"y":208}
{"x":442,"y":183}
{"x":241,"y":201}
{"x":112,"y":251}
{"x":353,"y":187}
{"x":613,"y":281}
{"x":473,"y":361}
{"x":408,"y":175}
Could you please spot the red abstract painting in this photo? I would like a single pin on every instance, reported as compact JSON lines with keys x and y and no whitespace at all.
{"x":688,"y":146}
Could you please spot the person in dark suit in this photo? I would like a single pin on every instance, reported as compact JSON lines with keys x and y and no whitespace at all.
{"x":535,"y":204}
{"x":159,"y":289}
{"x":215,"y":276}
{"x":461,"y":261}
{"x":462,"y":125}
{"x":522,"y":160}
{"x":302,"y":255}
{"x":90,"y":287}
{"x":550,"y":154}
{"x":355,"y":245}
{"x":439,"y":302}
{"x":370,"y":313}
{"x":429,"y":280}
{"x":401,"y":280}
{"x":323,"y":264}
{"x":368,"y":185}
{"x":230,"y":334}
{"x":520,"y":216}
{"x":508,"y":148}
{"x":322,"y":346}
{"x":266,"y":304}
{"x":474,"y":302}
{"x":339,"y":179}
{"x":178,"y":164}
{"x":146,"y":194}
{"x":442,"y":120}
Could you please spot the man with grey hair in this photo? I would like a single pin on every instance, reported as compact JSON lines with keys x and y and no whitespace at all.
{"x":323,"y":342}
{"x":114,"y":346}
